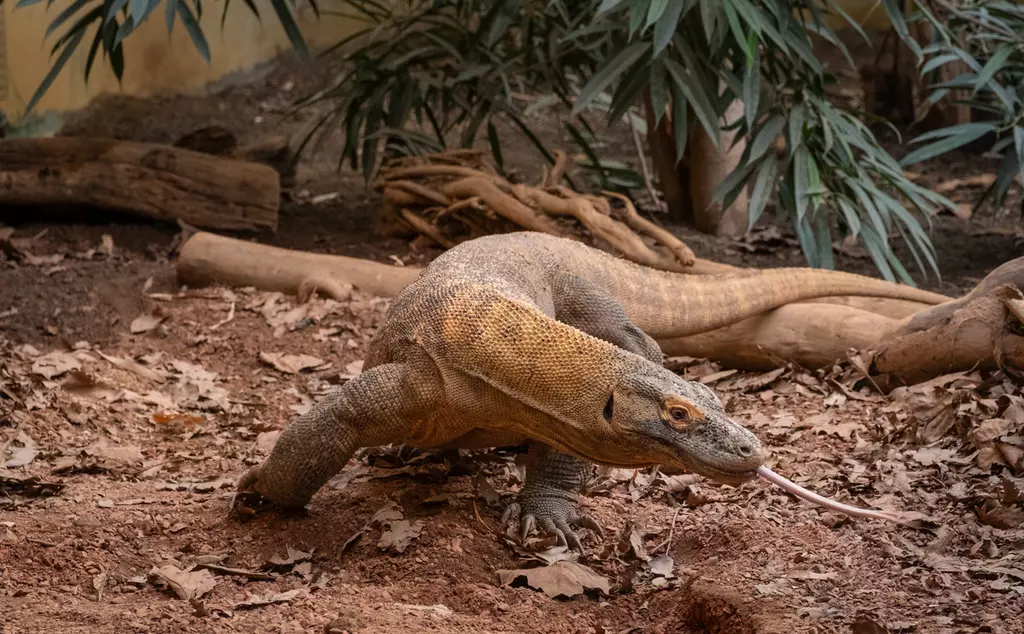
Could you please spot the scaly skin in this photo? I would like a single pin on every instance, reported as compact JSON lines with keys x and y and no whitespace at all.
{"x":527,"y":338}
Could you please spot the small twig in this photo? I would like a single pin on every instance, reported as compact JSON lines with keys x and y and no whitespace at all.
{"x":671,"y":531}
{"x":646,"y":173}
{"x":231,"y":315}
{"x":476,"y":512}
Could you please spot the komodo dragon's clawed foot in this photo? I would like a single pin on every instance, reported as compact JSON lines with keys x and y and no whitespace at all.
{"x":554,"y":513}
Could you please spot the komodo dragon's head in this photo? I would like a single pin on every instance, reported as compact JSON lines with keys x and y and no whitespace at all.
{"x":682,"y":423}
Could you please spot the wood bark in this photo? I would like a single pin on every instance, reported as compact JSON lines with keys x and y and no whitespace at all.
{"x":811,"y":334}
{"x":673,"y":175}
{"x":207,"y":259}
{"x":157,"y":181}
{"x":709,"y":166}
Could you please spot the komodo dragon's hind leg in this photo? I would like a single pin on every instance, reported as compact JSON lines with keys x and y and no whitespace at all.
{"x":550,"y":497}
{"x":375,"y":408}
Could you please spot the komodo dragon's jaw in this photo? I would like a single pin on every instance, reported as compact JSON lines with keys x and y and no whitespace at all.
{"x":684,"y":424}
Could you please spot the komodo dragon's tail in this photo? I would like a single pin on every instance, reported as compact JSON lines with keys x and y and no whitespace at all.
{"x":665,"y":304}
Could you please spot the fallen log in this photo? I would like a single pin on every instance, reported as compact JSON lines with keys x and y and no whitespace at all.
{"x":811,"y":335}
{"x":980,"y":335}
{"x":206,"y":259}
{"x":157,"y":181}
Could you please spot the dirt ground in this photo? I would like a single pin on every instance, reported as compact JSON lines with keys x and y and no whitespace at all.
{"x":128,"y":407}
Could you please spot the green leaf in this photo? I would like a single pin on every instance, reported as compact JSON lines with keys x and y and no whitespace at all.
{"x":691,"y":89}
{"x":823,"y":241}
{"x":876,"y":248}
{"x":589,"y":151}
{"x":679,"y":122}
{"x":525,"y":129}
{"x":666,"y":25}
{"x":850,"y":215}
{"x":608,"y":73}
{"x":763,"y":184}
{"x":709,"y":10}
{"x":63,"y":17}
{"x":608,"y":5}
{"x":965,"y":134}
{"x":492,"y":137}
{"x":800,"y":181}
{"x":659,"y":91}
{"x":636,"y":15}
{"x":808,"y":242}
{"x":766,"y":136}
{"x":992,"y":66}
{"x":194,"y":30}
{"x":752,"y":87}
{"x":728,"y":190}
{"x":1018,"y":142}
{"x":291,"y":29}
{"x":656,"y":10}
{"x":796,"y":127}
{"x":171,"y":10}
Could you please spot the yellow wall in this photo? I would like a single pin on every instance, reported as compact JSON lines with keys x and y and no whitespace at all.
{"x":155,"y":63}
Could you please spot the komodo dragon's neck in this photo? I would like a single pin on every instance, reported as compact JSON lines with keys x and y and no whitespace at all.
{"x":665,"y":304}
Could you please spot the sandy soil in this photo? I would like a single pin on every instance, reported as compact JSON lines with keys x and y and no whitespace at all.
{"x":128,"y":406}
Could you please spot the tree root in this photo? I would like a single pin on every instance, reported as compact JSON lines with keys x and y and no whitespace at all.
{"x":454,"y":196}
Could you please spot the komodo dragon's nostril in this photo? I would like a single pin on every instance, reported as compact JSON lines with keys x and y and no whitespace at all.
{"x":746,"y":451}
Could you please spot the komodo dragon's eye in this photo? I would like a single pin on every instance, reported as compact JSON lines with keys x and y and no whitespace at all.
{"x":679,"y":414}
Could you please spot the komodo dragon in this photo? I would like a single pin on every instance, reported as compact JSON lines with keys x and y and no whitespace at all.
{"x":528,"y":338}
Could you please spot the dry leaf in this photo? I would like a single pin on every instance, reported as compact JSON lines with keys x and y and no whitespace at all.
{"x":562,"y":579}
{"x":24,"y":455}
{"x":145,"y":323}
{"x":989,"y":430}
{"x":292,"y":363}
{"x":99,"y":582}
{"x":268,"y":599}
{"x":182,"y":420}
{"x":84,"y":384}
{"x":127,"y":454}
{"x":133,"y":367}
{"x":292,"y":557}
{"x":399,"y":535}
{"x":188,"y":585}
{"x":663,"y":565}
{"x":56,"y":363}
{"x":810,"y":574}
{"x":998,"y":516}
{"x":390,"y":512}
{"x":865,"y":625}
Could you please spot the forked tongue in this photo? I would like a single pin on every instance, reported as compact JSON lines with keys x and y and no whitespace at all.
{"x":839,"y":507}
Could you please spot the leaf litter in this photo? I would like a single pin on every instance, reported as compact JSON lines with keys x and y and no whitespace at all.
{"x":880,"y":451}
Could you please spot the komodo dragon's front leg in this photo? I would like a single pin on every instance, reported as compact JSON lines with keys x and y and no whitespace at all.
{"x":550,"y":497}
{"x":377,"y":407}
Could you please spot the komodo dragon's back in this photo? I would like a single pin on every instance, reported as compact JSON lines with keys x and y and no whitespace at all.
{"x":525,"y":267}
{"x":531,"y":338}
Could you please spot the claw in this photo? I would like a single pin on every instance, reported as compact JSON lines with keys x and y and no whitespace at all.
{"x":568,"y":535}
{"x":528,"y":524}
{"x":512,"y":510}
{"x":589,"y":522}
